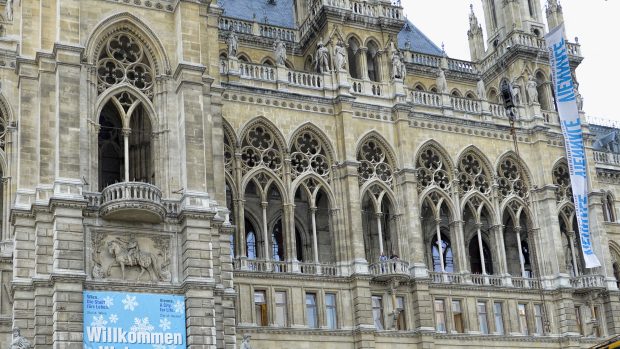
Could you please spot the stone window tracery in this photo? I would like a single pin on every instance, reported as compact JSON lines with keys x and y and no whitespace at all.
{"x":229,"y":154}
{"x":374,"y":163}
{"x":259,"y":148}
{"x":510,"y":179}
{"x":472,"y":175}
{"x":561,"y":178}
{"x":4,"y":123}
{"x":308,"y":155}
{"x":124,"y":60}
{"x":432,"y":170}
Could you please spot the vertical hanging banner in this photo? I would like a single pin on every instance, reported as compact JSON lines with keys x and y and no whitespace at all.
{"x":123,"y":320}
{"x":573,"y":137}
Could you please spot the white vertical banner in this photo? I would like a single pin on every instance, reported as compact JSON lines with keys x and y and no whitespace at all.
{"x":565,"y":98}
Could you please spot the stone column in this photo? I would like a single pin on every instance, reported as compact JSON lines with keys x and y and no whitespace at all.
{"x":458,"y":247}
{"x":363,"y":64}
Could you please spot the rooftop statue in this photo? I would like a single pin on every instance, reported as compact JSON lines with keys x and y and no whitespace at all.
{"x":280,"y":51}
{"x":232,"y":45}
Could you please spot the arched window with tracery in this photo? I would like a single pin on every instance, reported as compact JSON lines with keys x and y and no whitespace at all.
{"x":373,"y":61}
{"x":379,"y":224}
{"x":125,"y":129}
{"x":477,"y":225}
{"x":261,"y":148}
{"x":609,"y":209}
{"x":375,"y":162}
{"x":353,"y":50}
{"x":309,"y":155}
{"x":473,"y":175}
{"x":517,"y":242}
{"x":511,"y":179}
{"x":436,"y":219}
{"x":561,"y":178}
{"x":433,"y":169}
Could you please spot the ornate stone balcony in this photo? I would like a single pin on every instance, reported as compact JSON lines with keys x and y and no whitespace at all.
{"x":609,"y":159}
{"x":132,"y":201}
{"x":389,"y":269}
{"x":484,"y":280}
{"x":283,"y":267}
{"x":588,"y":282}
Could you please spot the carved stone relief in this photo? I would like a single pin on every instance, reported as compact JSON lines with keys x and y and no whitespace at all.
{"x":131,"y":257}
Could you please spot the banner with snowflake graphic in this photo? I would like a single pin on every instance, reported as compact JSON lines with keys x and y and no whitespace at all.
{"x":123,"y":320}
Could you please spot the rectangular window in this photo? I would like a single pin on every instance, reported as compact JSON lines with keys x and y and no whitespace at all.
{"x":440,"y":315}
{"x":598,"y":330}
{"x":377,"y":312}
{"x":578,"y":319}
{"x":331,"y":315}
{"x":538,"y":319}
{"x":457,"y":316}
{"x":281,"y":318}
{"x":499,"y":318}
{"x":311,"y":313}
{"x":401,"y":323}
{"x":522,"y":310}
{"x":260,"y":308}
{"x":482,"y":317}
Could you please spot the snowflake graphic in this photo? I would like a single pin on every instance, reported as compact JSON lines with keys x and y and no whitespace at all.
{"x":164,"y":324}
{"x":179,"y":307}
{"x":142,"y":325}
{"x":108,"y":301}
{"x":113,"y":318}
{"x":98,"y":321}
{"x":130,"y":302}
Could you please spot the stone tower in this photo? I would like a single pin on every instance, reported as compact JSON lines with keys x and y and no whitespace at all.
{"x":476,"y":37}
{"x":503,"y":17}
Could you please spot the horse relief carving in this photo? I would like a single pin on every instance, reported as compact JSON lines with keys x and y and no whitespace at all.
{"x":130,"y":258}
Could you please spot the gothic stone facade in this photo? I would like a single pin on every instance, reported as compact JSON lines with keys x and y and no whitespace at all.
{"x":311,"y":173}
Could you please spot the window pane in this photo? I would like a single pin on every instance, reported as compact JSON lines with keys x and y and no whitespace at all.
{"x":522,"y":319}
{"x":281,"y":316}
{"x":330,"y":311}
{"x":457,"y":315}
{"x":499,"y":318}
{"x":260,"y":308}
{"x":482,"y":317}
{"x":538,"y":321}
{"x":401,"y":323}
{"x":377,"y":312}
{"x":311,"y":313}
{"x":440,"y":315}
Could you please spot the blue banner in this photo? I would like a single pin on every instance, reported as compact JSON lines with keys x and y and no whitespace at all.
{"x":123,"y":320}
{"x":568,"y":111}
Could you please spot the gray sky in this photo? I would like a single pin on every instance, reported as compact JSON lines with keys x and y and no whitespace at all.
{"x":447,"y":21}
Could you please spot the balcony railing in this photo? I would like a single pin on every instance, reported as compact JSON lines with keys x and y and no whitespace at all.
{"x":390,"y":267}
{"x":606,"y":158}
{"x":257,"y":71}
{"x":271,"y":266}
{"x":132,"y":200}
{"x":465,"y":104}
{"x":588,"y":281}
{"x":426,"y":98}
{"x":303,"y":79}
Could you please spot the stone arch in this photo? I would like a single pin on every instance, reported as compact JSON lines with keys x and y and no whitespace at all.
{"x":268,"y":124}
{"x":268,"y":61}
{"x":485,"y":204}
{"x":387,"y":193}
{"x":456,"y":93}
{"x":244,"y":57}
{"x":125,"y":21}
{"x":375,"y":135}
{"x":488,"y":166}
{"x":445,"y":198}
{"x":295,"y":185}
{"x":470,"y":95}
{"x":431,"y":143}
{"x":418,"y":86}
{"x":510,"y":154}
{"x":272,"y":180}
{"x":309,"y":126}
{"x":112,"y":92}
{"x":492,"y":95}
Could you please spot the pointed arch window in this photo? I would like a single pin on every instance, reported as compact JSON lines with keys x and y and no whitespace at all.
{"x":445,"y":253}
{"x":472,"y":174}
{"x":123,"y":59}
{"x":308,"y":155}
{"x":511,"y":181}
{"x":374,"y":162}
{"x":561,"y":178}
{"x":432,"y":169}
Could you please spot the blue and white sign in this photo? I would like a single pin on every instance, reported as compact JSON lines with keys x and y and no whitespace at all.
{"x":122,"y":320}
{"x":573,"y":137}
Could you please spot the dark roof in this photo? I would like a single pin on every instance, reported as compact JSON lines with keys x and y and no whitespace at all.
{"x":418,"y":42}
{"x":280,"y":13}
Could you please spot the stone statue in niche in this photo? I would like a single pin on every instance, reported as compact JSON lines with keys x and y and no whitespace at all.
{"x":19,"y":341}
{"x":245,"y":344}
{"x":442,"y":84}
{"x":279,"y":48}
{"x":8,"y":10}
{"x":322,"y":58}
{"x":399,"y":70}
{"x":232,"y":45}
{"x":341,"y":57}
{"x":532,"y":89}
{"x":516,"y":91}
{"x":134,"y":256}
{"x":480,"y":90}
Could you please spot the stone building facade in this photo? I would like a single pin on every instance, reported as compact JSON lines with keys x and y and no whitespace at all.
{"x":307,"y":172}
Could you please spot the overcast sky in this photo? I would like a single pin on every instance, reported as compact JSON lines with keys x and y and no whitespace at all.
{"x":447,"y":21}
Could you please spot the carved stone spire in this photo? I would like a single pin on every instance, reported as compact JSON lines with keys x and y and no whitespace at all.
{"x":476,"y":37}
{"x":555,"y":16}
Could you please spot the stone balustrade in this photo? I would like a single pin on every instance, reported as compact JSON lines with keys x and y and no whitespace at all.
{"x":389,"y":268}
{"x":521,"y":282}
{"x":497,"y":110}
{"x":256,"y":29}
{"x":269,"y":31}
{"x":303,"y":79}
{"x":606,"y":158}
{"x":425,"y":59}
{"x":257,"y":71}
{"x":93,"y":199}
{"x":236,"y":25}
{"x":132,"y":200}
{"x":446,"y":278}
{"x":426,"y":98}
{"x":588,"y":281}
{"x":466,"y":105}
{"x":271,"y":266}
{"x":551,"y":117}
{"x":461,"y":66}
{"x":370,"y":88}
